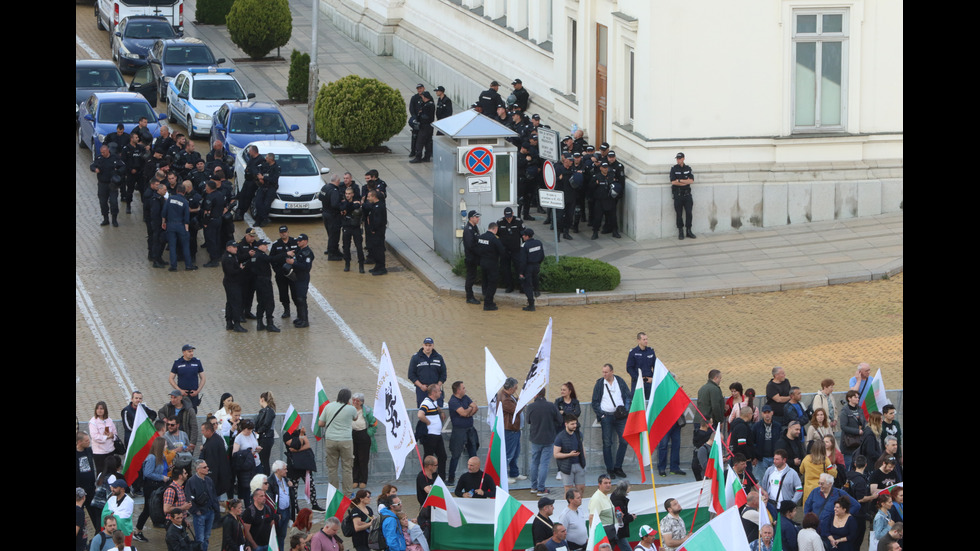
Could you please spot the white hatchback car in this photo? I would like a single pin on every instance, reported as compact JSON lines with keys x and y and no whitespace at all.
{"x":299,"y":178}
{"x":195,"y":94}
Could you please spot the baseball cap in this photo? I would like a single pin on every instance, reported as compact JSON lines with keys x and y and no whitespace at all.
{"x":494,"y":83}
{"x":528,"y":232}
{"x":252,"y":232}
{"x":545,"y":501}
{"x":186,"y":347}
{"x":440,"y":89}
{"x":472,"y":213}
{"x":231,"y":243}
{"x":679,"y":156}
{"x":536,"y":117}
{"x":175,"y":392}
{"x":419,"y":85}
{"x":611,"y":154}
{"x":283,"y":229}
{"x":428,"y":340}
{"x":646,"y":530}
{"x":302,"y":237}
{"x":517,"y":81}
{"x":508,"y":211}
{"x":604,"y":145}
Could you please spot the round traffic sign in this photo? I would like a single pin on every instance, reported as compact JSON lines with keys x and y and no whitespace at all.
{"x":479,"y":160}
{"x":548,"y":171}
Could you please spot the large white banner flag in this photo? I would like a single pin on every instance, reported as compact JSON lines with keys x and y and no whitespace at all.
{"x":389,"y":408}
{"x":494,"y":379}
{"x":537,"y":376}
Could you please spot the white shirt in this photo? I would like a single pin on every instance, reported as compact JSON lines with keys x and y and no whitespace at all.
{"x":611,"y":396}
{"x":574,"y":522}
{"x":435,"y":420}
{"x":123,"y":509}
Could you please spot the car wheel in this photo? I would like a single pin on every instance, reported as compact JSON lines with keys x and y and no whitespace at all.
{"x":162,"y":92}
{"x":189,"y":126}
{"x":81,"y":141}
{"x":98,"y":17}
{"x":95,"y":150}
{"x":170,"y":114}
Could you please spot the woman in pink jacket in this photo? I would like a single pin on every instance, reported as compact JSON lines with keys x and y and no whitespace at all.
{"x":103,"y":433}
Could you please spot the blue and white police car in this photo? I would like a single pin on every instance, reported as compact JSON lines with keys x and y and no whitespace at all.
{"x":195,"y":94}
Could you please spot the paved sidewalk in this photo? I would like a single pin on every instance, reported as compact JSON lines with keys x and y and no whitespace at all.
{"x":748,"y":261}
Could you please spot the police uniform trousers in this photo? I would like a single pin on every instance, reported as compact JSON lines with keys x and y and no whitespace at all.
{"x":182,"y":238}
{"x":376,"y":246}
{"x":491,"y":272}
{"x":233,"y":301}
{"x":683,"y":203}
{"x":246,"y":195}
{"x":353,"y":233}
{"x":508,"y":268}
{"x":531,"y":281}
{"x":471,"y":266}
{"x":263,"y":202}
{"x":248,"y":291}
{"x":332,"y":223}
{"x":423,"y":145}
{"x":108,"y":199}
{"x":212,"y":239}
{"x":286,"y":288}
{"x":266,"y":300}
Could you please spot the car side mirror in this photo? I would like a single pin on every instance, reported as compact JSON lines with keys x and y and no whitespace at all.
{"x":118,"y":33}
{"x":294,"y":128}
{"x":250,"y":96}
{"x":220,"y":61}
{"x":162,"y":117}
{"x":325,"y":170}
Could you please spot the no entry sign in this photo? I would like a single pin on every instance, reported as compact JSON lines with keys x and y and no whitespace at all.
{"x":548,"y":172}
{"x":479,"y":160}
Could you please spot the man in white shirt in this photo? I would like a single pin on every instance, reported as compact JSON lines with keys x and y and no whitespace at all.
{"x":577,"y":534}
{"x":610,"y":393}
{"x":433,"y":417}
{"x":782,"y":481}
{"x":647,"y":535}
{"x":120,"y":506}
{"x":601,"y":508}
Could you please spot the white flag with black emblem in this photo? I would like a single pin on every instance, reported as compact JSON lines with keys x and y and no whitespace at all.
{"x":494,"y":380}
{"x":389,"y":408}
{"x":537,"y":376}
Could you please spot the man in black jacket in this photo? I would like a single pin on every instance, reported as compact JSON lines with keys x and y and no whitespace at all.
{"x":215,"y":454}
{"x":375,"y":227}
{"x":234,"y":274}
{"x":470,"y":234}
{"x":201,"y":494}
{"x":330,"y":197}
{"x":490,"y":249}
{"x":263,"y":289}
{"x":426,"y":116}
{"x":109,"y":171}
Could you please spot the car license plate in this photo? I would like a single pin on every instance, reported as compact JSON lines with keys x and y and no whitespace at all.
{"x":297,"y":205}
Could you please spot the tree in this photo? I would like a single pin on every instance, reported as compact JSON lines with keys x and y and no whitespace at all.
{"x":259,"y":26}
{"x":358,"y":113}
{"x":212,"y":12}
{"x":298,"y":86}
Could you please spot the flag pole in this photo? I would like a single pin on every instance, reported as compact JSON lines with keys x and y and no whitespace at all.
{"x":421,"y":465}
{"x":698,"y":504}
{"x":723,"y":442}
{"x":485,"y":463}
{"x":656,"y":502}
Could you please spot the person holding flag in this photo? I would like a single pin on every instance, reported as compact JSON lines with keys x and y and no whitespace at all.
{"x":302,"y":463}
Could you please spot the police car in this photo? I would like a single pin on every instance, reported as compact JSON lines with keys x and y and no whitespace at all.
{"x":195,"y":94}
{"x":299,"y":177}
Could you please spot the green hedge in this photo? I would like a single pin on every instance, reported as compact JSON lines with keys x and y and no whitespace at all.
{"x":259,"y":26}
{"x":572,"y":272}
{"x":298,"y":86}
{"x":358,"y":113}
{"x":212,"y":12}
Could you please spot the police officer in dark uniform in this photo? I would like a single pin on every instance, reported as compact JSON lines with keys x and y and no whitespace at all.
{"x":268,"y":185}
{"x":427,"y":367}
{"x":426,"y":116}
{"x":617,"y":168}
{"x":199,"y":176}
{"x":579,"y":144}
{"x":525,"y":176}
{"x":164,"y":142}
{"x":252,"y":170}
{"x":176,"y":222}
{"x":194,"y":200}
{"x":133,"y":155}
{"x":681,"y":178}
{"x":246,"y":253}
{"x":350,"y":209}
{"x":607,"y":189}
{"x":219,"y":157}
{"x":186,"y":160}
{"x":117,"y":140}
{"x":109,"y":171}
{"x":157,"y":201}
{"x":471,"y":233}
{"x":509,"y":230}
{"x":278,"y":253}
{"x":563,"y":176}
{"x":330,"y":197}
{"x":372,"y":180}
{"x":301,"y":262}
{"x":414,"y":105}
{"x":522,"y":98}
{"x":579,"y":182}
{"x":375,"y":227}
{"x":213,"y":208}
{"x":490,"y":250}
{"x":531,"y":257}
{"x":490,"y":100}
{"x":234,"y":272}
{"x":266,"y":304}
{"x":444,"y":105}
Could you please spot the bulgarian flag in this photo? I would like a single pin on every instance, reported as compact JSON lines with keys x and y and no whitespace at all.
{"x":777,"y":536}
{"x":510,"y":518}
{"x":320,"y":401}
{"x":496,"y":464}
{"x":441,"y":498}
{"x":874,"y":397}
{"x":667,"y":403}
{"x":273,"y":540}
{"x":734,"y":492}
{"x":723,"y":533}
{"x":636,"y":432}
{"x":597,"y":534}
{"x":337,"y":503}
{"x":715,"y":470}
{"x":139,"y":445}
{"x":291,"y":423}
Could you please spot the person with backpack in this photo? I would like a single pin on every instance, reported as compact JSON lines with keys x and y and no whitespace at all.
{"x":155,"y":471}
{"x":386,"y":529}
{"x":326,"y":539}
{"x":357,"y":521}
{"x":103,"y":540}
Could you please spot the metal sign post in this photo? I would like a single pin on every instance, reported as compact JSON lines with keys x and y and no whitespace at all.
{"x":550,"y":198}
{"x":548,"y":145}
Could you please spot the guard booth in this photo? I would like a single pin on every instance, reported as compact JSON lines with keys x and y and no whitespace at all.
{"x":474,"y":168}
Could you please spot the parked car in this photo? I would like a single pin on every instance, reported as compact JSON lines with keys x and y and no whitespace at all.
{"x":96,"y":75}
{"x":299,"y":177}
{"x":240,"y":123}
{"x":101,"y":112}
{"x":133,"y":38}
{"x":167,"y":58}
{"x":194,"y":96}
{"x":108,"y":13}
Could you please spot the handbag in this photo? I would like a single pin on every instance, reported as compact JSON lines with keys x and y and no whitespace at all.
{"x":118,"y":447}
{"x":620,"y":412}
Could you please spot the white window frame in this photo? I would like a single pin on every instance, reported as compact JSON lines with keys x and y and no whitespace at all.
{"x":819,"y":38}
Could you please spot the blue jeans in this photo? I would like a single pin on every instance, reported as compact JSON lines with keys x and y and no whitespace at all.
{"x":760,"y":469}
{"x":610,"y":427}
{"x":184,"y":239}
{"x":466,"y":438}
{"x":512,"y":439}
{"x":541,"y":455}
{"x":202,"y":527}
{"x":673,"y":440}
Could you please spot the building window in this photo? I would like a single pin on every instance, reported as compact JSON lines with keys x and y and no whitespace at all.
{"x":573,"y":58}
{"x":631,"y":84}
{"x":820,"y":46}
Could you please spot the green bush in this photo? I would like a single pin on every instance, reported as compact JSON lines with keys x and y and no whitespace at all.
{"x":298,"y":87}
{"x":572,"y":272}
{"x":212,"y":12}
{"x":358,"y":113}
{"x":259,"y":26}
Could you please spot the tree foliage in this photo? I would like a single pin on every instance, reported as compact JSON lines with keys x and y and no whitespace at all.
{"x":298,"y":87}
{"x":358,"y":113}
{"x":259,"y":26}
{"x":212,"y":12}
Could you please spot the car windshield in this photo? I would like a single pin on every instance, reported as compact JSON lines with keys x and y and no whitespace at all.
{"x":125,"y":112}
{"x":149,"y":29}
{"x":296,"y":165}
{"x":218,"y":89}
{"x":188,"y":55}
{"x":257,"y":123}
{"x":136,"y":3}
{"x":98,"y":78}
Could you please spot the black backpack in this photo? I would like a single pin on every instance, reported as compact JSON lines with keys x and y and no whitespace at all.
{"x":376,"y":539}
{"x":347,"y":525}
{"x":155,"y":503}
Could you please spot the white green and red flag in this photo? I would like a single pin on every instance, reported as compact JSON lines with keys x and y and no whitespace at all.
{"x":734,"y":491}
{"x":777,"y":537}
{"x":273,"y":539}
{"x":496,"y":463}
{"x":441,"y":498}
{"x":597,"y":536}
{"x":291,"y":423}
{"x":874,"y":397}
{"x":715,"y":470}
{"x":764,"y":512}
{"x":510,"y":518}
{"x":320,"y":401}
{"x":723,"y":533}
{"x":667,"y":404}
{"x":337,"y":503}
{"x":494,"y":378}
{"x":635,"y":432}
{"x":138,"y":446}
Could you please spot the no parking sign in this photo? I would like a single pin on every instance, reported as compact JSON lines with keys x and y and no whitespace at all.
{"x":479,"y":160}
